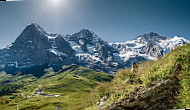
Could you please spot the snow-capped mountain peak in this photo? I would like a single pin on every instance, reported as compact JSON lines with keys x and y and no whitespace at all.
{"x":152,"y":36}
{"x":36,"y":46}
{"x":171,"y":43}
{"x":150,"y":46}
{"x":85,"y":35}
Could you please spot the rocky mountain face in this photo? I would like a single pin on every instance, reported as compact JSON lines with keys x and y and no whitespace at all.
{"x":92,"y":52}
{"x":35,"y":46}
{"x":148,"y":46}
{"x":152,"y":49}
{"x":86,"y":41}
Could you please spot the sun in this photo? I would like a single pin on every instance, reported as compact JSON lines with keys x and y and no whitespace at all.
{"x":56,"y":2}
{"x":55,"y":5}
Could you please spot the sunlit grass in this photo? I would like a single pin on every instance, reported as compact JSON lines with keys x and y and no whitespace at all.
{"x":73,"y":86}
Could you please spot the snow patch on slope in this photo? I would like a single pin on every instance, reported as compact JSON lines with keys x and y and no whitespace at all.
{"x":76,"y":47}
{"x":87,"y":56}
{"x":54,"y":51}
{"x":8,"y":46}
{"x":171,"y":43}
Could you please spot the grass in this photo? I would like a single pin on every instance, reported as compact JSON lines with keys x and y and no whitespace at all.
{"x":73,"y":84}
{"x":81,"y":88}
{"x":149,"y":72}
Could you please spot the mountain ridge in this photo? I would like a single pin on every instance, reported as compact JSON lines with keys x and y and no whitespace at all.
{"x":36,"y":46}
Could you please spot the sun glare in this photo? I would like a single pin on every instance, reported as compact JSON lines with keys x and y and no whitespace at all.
{"x":56,"y":2}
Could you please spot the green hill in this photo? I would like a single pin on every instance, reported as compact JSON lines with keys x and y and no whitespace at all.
{"x":72,"y":83}
{"x":160,"y":84}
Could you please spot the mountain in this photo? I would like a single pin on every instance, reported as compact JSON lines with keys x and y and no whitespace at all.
{"x":35,"y":47}
{"x":147,"y":46}
{"x":161,"y":84}
{"x":92,"y":52}
{"x":40,"y":61}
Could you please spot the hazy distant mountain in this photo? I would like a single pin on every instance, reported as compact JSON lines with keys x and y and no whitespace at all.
{"x":35,"y":46}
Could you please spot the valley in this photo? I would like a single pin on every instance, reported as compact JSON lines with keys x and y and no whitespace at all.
{"x":72,"y":84}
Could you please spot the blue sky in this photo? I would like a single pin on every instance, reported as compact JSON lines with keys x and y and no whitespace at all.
{"x":112,"y":20}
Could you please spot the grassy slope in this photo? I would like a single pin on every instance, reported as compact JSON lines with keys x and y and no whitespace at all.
{"x":73,"y":83}
{"x":149,"y":73}
{"x":79,"y":88}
